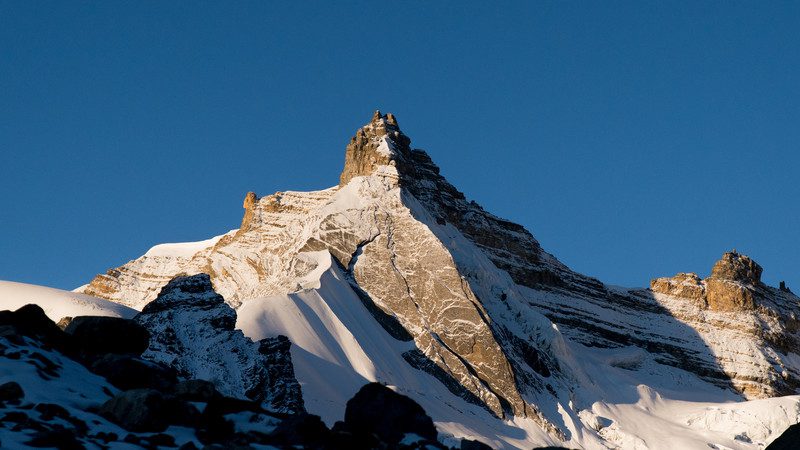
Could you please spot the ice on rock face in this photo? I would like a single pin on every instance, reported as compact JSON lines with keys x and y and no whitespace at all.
{"x":519,"y":343}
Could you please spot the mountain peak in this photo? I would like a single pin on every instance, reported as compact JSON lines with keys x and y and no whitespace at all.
{"x":378,"y":143}
{"x":737,"y":267}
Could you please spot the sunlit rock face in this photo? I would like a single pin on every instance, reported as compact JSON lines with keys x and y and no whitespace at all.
{"x":733,"y":283}
{"x":732,"y":286}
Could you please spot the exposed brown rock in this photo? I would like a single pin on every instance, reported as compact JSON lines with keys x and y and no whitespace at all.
{"x":732,"y":285}
{"x":64,"y":322}
{"x":687,"y":285}
{"x":250,"y":201}
{"x":723,"y":295}
{"x":736,"y":267}
{"x":362,"y":155}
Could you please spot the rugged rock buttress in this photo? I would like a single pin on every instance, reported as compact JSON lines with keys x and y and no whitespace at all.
{"x":193,"y":331}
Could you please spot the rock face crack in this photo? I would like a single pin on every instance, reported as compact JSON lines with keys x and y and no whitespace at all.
{"x":503,"y":402}
{"x":387,"y":321}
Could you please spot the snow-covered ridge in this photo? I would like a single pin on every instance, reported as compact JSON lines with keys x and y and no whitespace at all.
{"x":184,"y":249}
{"x":57,"y":303}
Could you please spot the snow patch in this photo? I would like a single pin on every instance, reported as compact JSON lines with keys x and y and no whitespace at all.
{"x":184,"y":249}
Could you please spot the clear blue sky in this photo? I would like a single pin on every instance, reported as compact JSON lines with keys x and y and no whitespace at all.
{"x":634,"y":139}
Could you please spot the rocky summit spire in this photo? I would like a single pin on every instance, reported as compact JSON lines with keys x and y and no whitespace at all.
{"x":378,"y":143}
{"x":250,"y":201}
{"x":733,"y":285}
{"x":737,"y":267}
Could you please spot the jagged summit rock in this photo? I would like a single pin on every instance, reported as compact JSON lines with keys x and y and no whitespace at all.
{"x":732,"y":285}
{"x":379,"y":143}
{"x":737,"y":267}
{"x":250,"y":201}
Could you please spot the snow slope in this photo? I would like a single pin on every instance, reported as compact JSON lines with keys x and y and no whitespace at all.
{"x":626,"y":399}
{"x":57,"y":303}
{"x":184,"y":249}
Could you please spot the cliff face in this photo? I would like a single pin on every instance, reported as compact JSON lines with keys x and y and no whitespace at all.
{"x":192,"y":330}
{"x":485,"y":309}
{"x":752,"y":328}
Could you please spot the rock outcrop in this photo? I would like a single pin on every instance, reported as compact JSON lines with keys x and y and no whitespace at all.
{"x":734,"y":284}
{"x":685,"y":285}
{"x":751,"y":328}
{"x":368,"y":151}
{"x":249,"y":203}
{"x":193,"y":330}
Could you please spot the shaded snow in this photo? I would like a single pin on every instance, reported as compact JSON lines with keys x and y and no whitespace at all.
{"x":74,"y":388}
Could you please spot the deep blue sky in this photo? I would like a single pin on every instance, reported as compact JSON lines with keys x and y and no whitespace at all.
{"x":634,"y":139}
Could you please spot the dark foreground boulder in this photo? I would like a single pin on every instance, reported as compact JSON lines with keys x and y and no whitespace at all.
{"x":789,"y":440}
{"x":143,"y":410}
{"x":379,"y":410}
{"x":62,"y":439}
{"x":467,"y":444}
{"x":32,"y":322}
{"x":108,"y":335}
{"x":11,"y":392}
{"x":196,"y":391}
{"x":300,"y":429}
{"x":131,"y":372}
